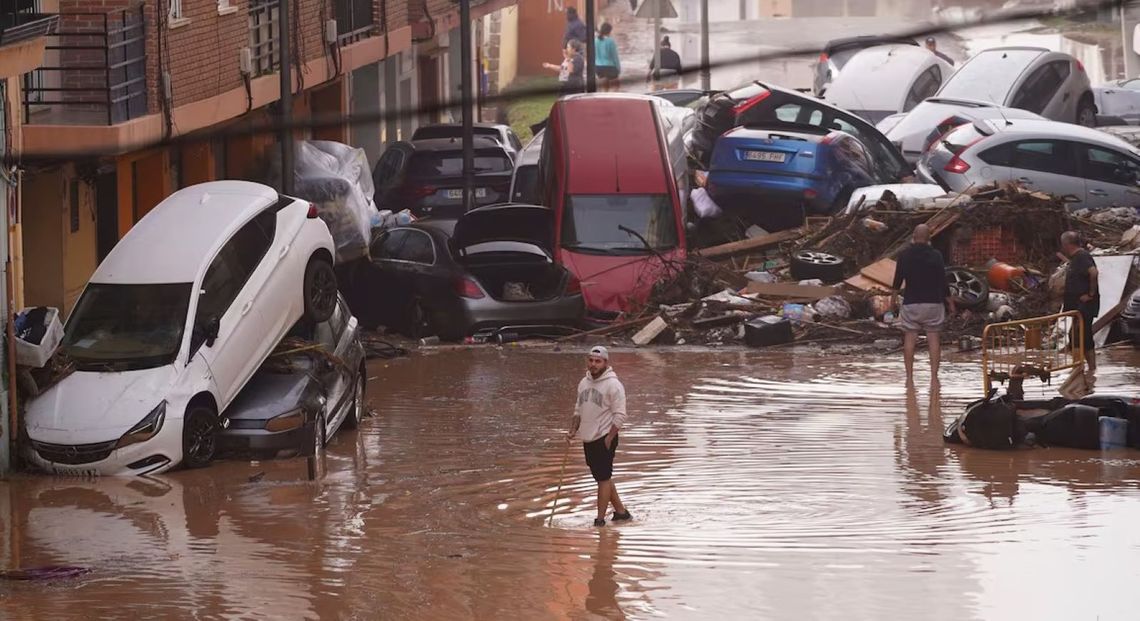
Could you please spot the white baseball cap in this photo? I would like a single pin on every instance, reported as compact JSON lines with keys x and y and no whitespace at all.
{"x":600,"y":352}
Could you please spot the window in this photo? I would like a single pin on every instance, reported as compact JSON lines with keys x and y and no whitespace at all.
{"x":233,"y":266}
{"x":226,"y":6}
{"x":407,"y":245}
{"x":1100,"y":164}
{"x":127,"y":327}
{"x":795,"y":113}
{"x":1047,"y":156}
{"x":596,"y":223}
{"x":1041,"y":86}
{"x":515,"y":142}
{"x":924,"y":87}
{"x":989,"y":75}
{"x":175,"y":10}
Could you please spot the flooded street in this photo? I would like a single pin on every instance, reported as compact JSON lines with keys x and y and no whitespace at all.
{"x":763,"y":486}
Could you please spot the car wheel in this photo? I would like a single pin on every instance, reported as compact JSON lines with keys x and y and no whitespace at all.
{"x":199,"y":437}
{"x":1086,"y":113}
{"x":967,"y":288}
{"x":812,"y":264}
{"x":356,"y":410}
{"x":319,"y":290}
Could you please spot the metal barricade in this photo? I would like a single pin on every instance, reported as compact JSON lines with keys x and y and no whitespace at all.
{"x":1049,"y":344}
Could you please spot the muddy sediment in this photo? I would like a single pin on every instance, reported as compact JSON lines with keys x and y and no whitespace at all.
{"x":762,"y":485}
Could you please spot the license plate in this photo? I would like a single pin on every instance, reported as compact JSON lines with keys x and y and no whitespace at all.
{"x":74,"y":472}
{"x":458,"y":194}
{"x":765,"y":156}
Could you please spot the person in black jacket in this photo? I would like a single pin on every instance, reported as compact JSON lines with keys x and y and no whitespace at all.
{"x":1082,"y":291}
{"x":920,"y":273}
{"x":669,"y":75}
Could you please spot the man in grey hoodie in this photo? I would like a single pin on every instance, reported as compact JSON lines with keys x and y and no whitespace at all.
{"x":598,"y":416}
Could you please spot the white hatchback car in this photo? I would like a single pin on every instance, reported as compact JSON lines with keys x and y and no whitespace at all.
{"x":173,"y":324}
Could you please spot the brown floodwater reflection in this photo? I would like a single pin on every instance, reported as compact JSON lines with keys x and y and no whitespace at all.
{"x":763,"y":486}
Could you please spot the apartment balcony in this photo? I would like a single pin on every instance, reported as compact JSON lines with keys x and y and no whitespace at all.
{"x":19,"y":27}
{"x":94,"y":71}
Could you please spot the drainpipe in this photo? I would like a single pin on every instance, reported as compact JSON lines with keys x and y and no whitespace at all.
{"x":286,"y":103}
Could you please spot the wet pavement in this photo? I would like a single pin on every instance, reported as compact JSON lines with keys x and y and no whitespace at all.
{"x":763,"y":485}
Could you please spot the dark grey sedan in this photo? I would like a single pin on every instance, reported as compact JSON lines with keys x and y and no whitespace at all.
{"x":320,"y":377}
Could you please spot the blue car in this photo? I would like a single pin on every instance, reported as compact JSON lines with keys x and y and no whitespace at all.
{"x":775,"y":176}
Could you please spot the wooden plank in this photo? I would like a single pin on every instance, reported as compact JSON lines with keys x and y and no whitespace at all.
{"x":789,"y":290}
{"x":604,"y":330}
{"x":719,"y":321}
{"x":748,"y":245}
{"x":881,"y":271}
{"x":860,"y":281}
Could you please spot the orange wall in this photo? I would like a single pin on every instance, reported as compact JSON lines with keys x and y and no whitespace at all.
{"x":540,"y":35}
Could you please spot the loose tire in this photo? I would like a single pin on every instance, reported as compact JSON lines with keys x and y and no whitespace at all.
{"x":967,"y":288}
{"x":320,"y":290}
{"x":811,"y":264}
{"x":199,"y":436}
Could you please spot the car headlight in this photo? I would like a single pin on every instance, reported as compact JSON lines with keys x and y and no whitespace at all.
{"x":146,"y":429}
{"x":292,"y":419}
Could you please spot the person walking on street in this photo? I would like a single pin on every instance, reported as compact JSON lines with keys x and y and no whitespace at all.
{"x":920,"y":273}
{"x":599,"y":414}
{"x":606,"y":58}
{"x":1082,"y":290}
{"x":575,"y":27}
{"x":932,"y":45}
{"x":669,"y":75}
{"x":571,"y":73}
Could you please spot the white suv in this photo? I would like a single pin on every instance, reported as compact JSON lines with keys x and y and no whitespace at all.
{"x":172,"y":325}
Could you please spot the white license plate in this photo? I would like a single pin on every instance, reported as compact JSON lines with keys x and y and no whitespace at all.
{"x":74,"y":472}
{"x":458,"y":194}
{"x":765,"y":156}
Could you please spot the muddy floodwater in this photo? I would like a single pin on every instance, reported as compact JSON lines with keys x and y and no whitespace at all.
{"x":763,"y":486}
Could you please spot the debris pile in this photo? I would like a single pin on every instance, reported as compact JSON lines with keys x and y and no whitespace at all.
{"x":830,"y":281}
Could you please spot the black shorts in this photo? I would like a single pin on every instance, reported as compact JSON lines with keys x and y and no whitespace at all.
{"x":608,"y":73}
{"x":600,"y":459}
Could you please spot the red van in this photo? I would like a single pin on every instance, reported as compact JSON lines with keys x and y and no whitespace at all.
{"x":607,"y":173}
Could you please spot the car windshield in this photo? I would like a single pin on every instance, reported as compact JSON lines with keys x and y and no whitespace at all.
{"x":429,"y":164}
{"x":127,"y":327}
{"x":989,"y":76}
{"x":600,"y":223}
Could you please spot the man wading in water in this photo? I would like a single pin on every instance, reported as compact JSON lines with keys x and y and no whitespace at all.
{"x":598,"y":416}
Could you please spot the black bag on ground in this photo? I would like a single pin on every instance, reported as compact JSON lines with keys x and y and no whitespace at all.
{"x":987,"y":423}
{"x":1073,"y":426}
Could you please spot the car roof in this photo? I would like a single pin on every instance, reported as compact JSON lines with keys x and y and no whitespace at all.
{"x":878,"y":78}
{"x":171,"y":243}
{"x":452,"y":144}
{"x":629,"y":124}
{"x":1059,"y":131}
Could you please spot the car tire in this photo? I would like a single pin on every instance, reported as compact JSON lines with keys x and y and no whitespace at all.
{"x":810,"y":264}
{"x":199,"y":436}
{"x":319,"y":290}
{"x":1086,"y":112}
{"x":356,"y":410}
{"x":968,"y":290}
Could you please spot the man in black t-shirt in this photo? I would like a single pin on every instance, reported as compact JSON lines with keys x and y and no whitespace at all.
{"x":1082,"y":290}
{"x":921,"y":274}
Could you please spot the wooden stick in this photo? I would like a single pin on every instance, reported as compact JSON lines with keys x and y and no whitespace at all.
{"x":558,"y":492}
{"x":604,"y":330}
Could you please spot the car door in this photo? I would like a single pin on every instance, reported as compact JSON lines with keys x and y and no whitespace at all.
{"x":225,"y":301}
{"x":1041,"y":92}
{"x":336,"y":375}
{"x":1046,"y":166}
{"x":1111,"y":177}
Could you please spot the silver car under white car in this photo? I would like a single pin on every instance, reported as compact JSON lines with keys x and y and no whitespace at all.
{"x":1090,"y":167}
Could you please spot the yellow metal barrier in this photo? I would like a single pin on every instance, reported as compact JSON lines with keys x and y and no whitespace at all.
{"x":1049,"y":344}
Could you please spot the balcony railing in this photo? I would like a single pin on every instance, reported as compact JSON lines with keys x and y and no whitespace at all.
{"x":354,"y":20}
{"x":94,"y":71}
{"x":18,"y":26}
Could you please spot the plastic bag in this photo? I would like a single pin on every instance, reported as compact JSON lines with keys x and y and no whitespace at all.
{"x":337,"y":179}
{"x":38,"y":340}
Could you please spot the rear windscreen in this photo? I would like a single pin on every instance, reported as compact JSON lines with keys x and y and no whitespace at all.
{"x":989,"y":76}
{"x":450,"y":163}
{"x":450,"y":131}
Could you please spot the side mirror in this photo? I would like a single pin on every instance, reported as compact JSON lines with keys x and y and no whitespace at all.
{"x":212,"y":328}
